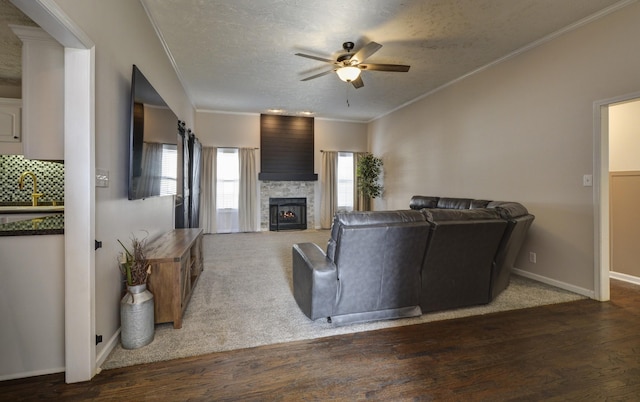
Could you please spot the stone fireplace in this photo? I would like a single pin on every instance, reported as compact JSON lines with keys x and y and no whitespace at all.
{"x":286,"y":189}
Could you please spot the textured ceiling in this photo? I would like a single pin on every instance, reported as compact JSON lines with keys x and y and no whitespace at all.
{"x":239,"y":56}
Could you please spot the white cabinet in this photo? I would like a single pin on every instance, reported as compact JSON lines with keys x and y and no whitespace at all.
{"x":10,"y":122}
{"x":31,"y":305}
{"x":42,"y":94}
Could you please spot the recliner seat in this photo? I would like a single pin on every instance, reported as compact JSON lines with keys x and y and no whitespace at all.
{"x":518,"y":219}
{"x":458,"y":264}
{"x":371,"y":269}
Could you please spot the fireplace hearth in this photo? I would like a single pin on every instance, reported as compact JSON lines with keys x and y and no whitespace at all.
{"x":287,"y":214}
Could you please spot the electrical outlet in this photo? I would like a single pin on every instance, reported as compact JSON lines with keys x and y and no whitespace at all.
{"x":532,"y":257}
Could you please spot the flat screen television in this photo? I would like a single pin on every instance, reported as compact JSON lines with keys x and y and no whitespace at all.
{"x":154,"y":149}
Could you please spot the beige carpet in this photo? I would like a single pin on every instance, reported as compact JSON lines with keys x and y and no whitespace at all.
{"x":244,"y":299}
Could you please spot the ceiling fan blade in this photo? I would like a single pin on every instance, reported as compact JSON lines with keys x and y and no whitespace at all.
{"x":318,"y":75}
{"x":369,"y":49}
{"x":357,"y":83}
{"x":385,"y":67}
{"x":308,"y":56}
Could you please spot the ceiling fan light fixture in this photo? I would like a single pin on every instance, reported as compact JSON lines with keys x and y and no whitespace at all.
{"x":348,"y":73}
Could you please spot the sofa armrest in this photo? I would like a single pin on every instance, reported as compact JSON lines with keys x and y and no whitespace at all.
{"x":508,"y":209}
{"x":315,"y":280}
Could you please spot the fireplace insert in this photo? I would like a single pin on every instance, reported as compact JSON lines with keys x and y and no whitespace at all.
{"x":287,"y":214}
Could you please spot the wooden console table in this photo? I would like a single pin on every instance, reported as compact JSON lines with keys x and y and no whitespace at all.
{"x":176,"y":263}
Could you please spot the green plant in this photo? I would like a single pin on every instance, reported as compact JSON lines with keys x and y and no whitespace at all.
{"x":134,"y":264}
{"x":368,"y":172}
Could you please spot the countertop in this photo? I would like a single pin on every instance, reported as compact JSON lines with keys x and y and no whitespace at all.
{"x":38,"y":225}
{"x":28,"y":209}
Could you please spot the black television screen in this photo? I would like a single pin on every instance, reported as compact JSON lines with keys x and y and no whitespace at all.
{"x":154,"y":149}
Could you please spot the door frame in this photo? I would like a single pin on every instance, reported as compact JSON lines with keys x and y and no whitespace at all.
{"x":602,"y":252}
{"x":79,"y":158}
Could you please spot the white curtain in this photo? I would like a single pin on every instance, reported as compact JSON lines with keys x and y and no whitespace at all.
{"x":149,"y":182}
{"x":208,"y":190}
{"x":227,"y":190}
{"x":248,"y":202}
{"x":329,"y":200}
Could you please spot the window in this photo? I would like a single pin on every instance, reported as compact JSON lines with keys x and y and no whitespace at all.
{"x":228,"y":179}
{"x":345,"y":181}
{"x":168,"y":175}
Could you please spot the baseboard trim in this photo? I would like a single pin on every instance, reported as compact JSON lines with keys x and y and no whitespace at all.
{"x":108,"y":347}
{"x":624,"y":277}
{"x":33,"y":373}
{"x":553,"y":282}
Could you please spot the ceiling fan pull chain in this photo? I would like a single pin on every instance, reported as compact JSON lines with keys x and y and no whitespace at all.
{"x":347,"y":95}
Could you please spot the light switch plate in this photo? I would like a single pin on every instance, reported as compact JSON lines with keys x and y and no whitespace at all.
{"x":587,"y":180}
{"x":102,"y":178}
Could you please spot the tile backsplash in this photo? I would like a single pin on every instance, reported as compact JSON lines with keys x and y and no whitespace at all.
{"x":50,"y":177}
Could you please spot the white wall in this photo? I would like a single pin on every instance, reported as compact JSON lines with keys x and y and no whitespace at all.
{"x":520,"y":130}
{"x":123,"y":36}
{"x":624,"y":137}
{"x":216,"y":129}
{"x":243,"y":130}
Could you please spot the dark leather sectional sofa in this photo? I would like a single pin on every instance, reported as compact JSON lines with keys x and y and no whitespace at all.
{"x":442,"y":253}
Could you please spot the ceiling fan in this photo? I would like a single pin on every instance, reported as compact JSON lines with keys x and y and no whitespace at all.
{"x":349,"y":65}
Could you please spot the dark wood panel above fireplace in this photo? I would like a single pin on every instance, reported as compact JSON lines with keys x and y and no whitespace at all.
{"x":286,"y":148}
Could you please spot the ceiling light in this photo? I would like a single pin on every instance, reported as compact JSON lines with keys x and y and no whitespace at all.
{"x":348,"y":74}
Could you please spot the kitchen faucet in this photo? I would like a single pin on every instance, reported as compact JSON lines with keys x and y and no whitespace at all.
{"x":35,"y":195}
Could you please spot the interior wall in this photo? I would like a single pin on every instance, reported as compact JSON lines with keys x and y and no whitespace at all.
{"x":243,"y":130}
{"x":624,"y":219}
{"x":624,"y":136}
{"x":123,"y":36}
{"x":520,"y":130}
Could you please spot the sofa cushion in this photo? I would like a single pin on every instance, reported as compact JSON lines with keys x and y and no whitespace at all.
{"x":440,"y":215}
{"x":420,"y":201}
{"x":379,"y":266}
{"x":367,"y":218}
{"x":459,"y":260}
{"x":377,"y":217}
{"x":454,"y":203}
{"x":479,"y":204}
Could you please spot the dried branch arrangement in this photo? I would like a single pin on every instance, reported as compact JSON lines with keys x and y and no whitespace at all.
{"x":134,"y":264}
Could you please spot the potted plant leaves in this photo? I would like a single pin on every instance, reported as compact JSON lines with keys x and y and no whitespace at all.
{"x":368,"y":171}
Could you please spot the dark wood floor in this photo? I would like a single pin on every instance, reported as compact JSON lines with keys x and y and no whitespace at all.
{"x":579,"y":351}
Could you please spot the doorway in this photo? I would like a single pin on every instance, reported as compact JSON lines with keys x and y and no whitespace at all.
{"x":601,"y":194}
{"x":624,"y":189}
{"x":79,"y":227}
